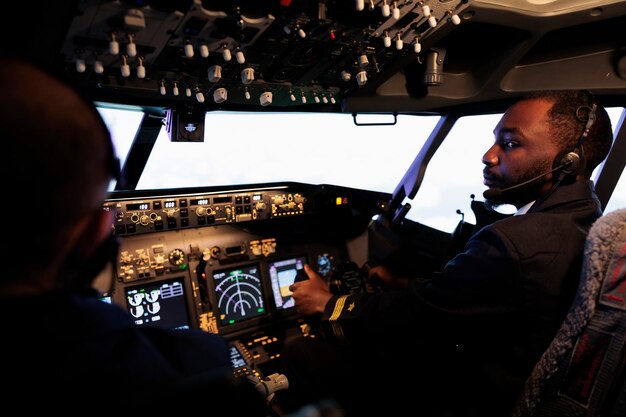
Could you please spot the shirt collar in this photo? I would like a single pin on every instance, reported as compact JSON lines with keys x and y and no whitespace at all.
{"x":524,"y":209}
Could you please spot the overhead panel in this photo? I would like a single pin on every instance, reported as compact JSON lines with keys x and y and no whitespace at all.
{"x":209,"y":52}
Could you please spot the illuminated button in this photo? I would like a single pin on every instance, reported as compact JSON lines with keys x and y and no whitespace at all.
{"x":171,"y":223}
{"x":120,"y":229}
{"x":238,"y":200}
{"x":210,"y":219}
{"x":156,"y":205}
{"x":184,"y":222}
{"x":182,"y":202}
{"x":247,"y":209}
{"x":130,"y":228}
{"x":201,"y":220}
{"x":246,"y":199}
{"x":158,"y":225}
{"x":184,"y":212}
{"x":238,"y":210}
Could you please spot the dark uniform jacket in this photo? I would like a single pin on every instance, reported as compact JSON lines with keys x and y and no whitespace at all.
{"x":477,"y":328}
{"x":73,"y":353}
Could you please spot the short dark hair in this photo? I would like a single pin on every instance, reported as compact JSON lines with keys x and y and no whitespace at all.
{"x":59,"y":153}
{"x":568,"y":117}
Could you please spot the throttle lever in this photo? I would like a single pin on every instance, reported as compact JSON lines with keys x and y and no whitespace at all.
{"x":300,"y":275}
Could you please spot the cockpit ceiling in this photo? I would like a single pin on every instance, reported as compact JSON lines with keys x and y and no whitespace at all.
{"x":334,"y":55}
{"x":546,"y":7}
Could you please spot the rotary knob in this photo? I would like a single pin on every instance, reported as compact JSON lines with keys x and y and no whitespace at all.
{"x":176,"y":257}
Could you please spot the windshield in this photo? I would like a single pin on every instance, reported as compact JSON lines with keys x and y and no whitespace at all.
{"x":322,"y":148}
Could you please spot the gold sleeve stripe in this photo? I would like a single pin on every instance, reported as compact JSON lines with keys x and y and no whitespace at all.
{"x":341,"y":301}
{"x":335,"y":326}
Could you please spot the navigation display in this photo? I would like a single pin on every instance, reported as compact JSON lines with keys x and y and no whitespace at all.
{"x":239,"y":294}
{"x":282,"y":275}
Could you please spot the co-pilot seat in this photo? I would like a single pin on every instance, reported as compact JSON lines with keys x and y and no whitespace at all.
{"x":582,"y":373}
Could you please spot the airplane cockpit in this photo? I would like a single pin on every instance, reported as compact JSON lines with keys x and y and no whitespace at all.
{"x":259,"y":136}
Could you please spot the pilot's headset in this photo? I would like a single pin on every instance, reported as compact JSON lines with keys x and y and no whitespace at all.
{"x":571,"y":162}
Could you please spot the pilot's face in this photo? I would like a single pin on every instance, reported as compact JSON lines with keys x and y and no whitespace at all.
{"x":523,"y":149}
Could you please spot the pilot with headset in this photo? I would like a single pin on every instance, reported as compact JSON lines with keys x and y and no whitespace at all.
{"x":463,"y":342}
{"x":62,"y":348}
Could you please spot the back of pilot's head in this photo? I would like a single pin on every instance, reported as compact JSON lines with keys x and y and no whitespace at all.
{"x":57,"y":155}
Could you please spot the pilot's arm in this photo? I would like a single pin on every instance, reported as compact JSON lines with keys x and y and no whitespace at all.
{"x":482,"y":280}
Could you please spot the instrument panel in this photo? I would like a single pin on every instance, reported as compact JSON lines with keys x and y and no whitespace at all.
{"x":174,"y":212}
{"x":196,"y":261}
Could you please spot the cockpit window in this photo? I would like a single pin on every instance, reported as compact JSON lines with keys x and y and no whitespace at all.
{"x":618,"y":198}
{"x":315,"y":148}
{"x":454,"y":173}
{"x":123,"y":125}
{"x":319,"y":148}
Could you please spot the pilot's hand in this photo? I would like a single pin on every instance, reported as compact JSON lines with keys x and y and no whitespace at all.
{"x":383,"y":277}
{"x":310,"y":295}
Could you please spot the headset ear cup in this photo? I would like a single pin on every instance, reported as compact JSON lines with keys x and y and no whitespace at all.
{"x":571,"y":162}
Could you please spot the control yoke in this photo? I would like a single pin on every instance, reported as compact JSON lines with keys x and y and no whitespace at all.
{"x":382,"y":238}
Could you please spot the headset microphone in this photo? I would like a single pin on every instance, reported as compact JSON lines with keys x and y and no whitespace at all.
{"x":567,"y":161}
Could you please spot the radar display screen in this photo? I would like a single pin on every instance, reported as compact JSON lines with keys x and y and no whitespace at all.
{"x":239,"y":294}
{"x":159,"y":304}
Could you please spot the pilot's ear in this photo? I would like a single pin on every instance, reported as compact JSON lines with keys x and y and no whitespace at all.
{"x":96,"y":230}
{"x":89,"y":233}
{"x":102,"y":224}
{"x":88,"y":251}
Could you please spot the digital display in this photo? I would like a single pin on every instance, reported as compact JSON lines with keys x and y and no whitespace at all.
{"x":219,"y":200}
{"x":159,"y":304}
{"x":282,"y":275}
{"x":256,"y":197}
{"x":324,"y":264}
{"x":239,"y":294}
{"x":236,"y":359}
{"x":138,"y":206}
{"x":169,"y":204}
{"x":199,"y":202}
{"x":106,"y":299}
